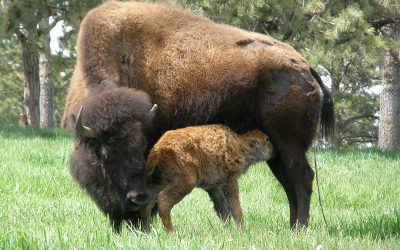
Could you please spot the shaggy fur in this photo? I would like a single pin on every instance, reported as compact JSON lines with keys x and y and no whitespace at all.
{"x":163,"y":48}
{"x":210,"y":157}
{"x":111,"y":167}
{"x":200,"y":72}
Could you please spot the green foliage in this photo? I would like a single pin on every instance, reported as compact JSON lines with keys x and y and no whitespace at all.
{"x":314,"y":7}
{"x":11,"y":81}
{"x":43,"y":208}
{"x":348,"y":25}
{"x":242,"y":14}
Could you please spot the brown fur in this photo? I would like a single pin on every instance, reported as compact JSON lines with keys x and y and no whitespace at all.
{"x":111,"y":167}
{"x":160,"y":42}
{"x":210,"y":157}
{"x":200,"y":72}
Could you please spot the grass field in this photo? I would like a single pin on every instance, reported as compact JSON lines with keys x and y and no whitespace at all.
{"x":41,"y":207}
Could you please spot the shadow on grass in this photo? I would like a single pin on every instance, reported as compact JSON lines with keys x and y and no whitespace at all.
{"x":14,"y":131}
{"x":378,"y":227}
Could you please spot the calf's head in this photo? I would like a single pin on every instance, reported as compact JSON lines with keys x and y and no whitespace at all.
{"x":108,"y":159}
{"x":259,"y":146}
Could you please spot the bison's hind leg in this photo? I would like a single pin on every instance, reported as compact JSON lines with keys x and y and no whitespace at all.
{"x":277,"y":167}
{"x":292,"y":170}
{"x":220,"y":203}
{"x":302,"y":177}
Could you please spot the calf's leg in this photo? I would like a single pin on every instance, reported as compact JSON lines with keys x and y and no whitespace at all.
{"x":232,"y":193}
{"x":172,"y":194}
{"x":220,"y":203}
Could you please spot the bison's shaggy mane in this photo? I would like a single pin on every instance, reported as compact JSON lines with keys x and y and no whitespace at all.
{"x":114,"y":106}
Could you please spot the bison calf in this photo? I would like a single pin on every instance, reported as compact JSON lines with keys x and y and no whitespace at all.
{"x":210,"y":157}
{"x":108,"y":158}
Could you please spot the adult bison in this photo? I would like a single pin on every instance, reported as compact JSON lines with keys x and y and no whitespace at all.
{"x":200,"y":72}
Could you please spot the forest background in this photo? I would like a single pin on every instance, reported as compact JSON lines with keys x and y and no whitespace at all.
{"x":354,"y":45}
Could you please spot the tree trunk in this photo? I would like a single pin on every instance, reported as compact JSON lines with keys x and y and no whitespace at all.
{"x":31,"y":82}
{"x":389,"y":123}
{"x":46,"y":86}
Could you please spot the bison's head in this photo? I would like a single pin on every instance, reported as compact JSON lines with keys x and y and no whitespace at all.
{"x":108,"y":160}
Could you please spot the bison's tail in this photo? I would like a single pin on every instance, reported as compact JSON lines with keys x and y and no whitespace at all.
{"x":327,"y":122}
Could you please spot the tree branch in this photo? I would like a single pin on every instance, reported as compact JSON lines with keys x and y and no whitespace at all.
{"x":379,"y":23}
{"x":359,"y":139}
{"x":348,"y":121}
{"x":342,"y":73}
{"x":368,"y":136}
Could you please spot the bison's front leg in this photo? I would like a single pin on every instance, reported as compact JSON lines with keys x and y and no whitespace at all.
{"x":146,"y":214}
{"x":116,"y":224}
{"x":134,"y":220}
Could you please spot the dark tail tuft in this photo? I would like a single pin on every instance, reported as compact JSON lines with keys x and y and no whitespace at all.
{"x":327,"y":122}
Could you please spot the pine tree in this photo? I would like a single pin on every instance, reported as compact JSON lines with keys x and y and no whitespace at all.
{"x":30,"y":22}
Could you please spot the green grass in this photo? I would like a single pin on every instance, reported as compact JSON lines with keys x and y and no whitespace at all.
{"x":41,"y":207}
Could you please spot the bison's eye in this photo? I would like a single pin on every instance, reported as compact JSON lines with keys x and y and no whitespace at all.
{"x":112,"y":139}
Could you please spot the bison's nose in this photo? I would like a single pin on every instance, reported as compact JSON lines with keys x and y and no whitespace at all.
{"x":138,"y":198}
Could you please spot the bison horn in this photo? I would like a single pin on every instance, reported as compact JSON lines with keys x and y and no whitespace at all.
{"x":154,"y":108}
{"x":83,"y":130}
